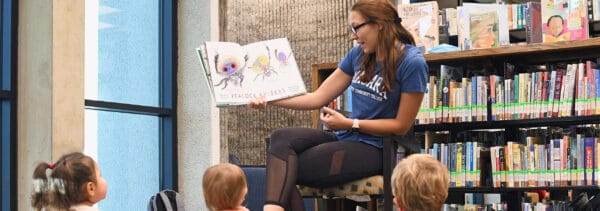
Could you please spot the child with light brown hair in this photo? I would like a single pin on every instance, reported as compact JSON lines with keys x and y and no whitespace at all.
{"x":224,"y":187}
{"x":420,"y":182}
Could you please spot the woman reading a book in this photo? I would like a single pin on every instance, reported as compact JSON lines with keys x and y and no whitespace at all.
{"x":387,"y":75}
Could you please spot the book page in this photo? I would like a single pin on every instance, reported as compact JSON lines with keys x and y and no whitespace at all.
{"x":202,"y":56}
{"x":241,"y":73}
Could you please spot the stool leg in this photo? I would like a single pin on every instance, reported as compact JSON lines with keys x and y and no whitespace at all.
{"x":372,"y":205}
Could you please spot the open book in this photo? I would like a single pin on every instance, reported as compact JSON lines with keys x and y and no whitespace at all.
{"x":237,"y":74}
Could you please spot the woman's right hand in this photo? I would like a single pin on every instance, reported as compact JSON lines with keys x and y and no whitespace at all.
{"x":258,"y":103}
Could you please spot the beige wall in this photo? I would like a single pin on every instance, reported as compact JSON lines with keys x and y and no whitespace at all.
{"x":67,"y":76}
{"x":50,"y":85}
{"x":34,"y":101}
{"x":51,"y":91}
{"x":197,"y":116}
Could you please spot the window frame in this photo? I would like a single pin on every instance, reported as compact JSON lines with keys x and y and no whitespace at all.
{"x":166,"y":110}
{"x":8,"y":107}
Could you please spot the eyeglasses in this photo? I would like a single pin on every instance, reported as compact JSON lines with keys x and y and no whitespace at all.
{"x":354,"y":29}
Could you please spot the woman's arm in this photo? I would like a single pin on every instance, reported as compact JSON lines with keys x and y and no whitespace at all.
{"x":407,"y":112}
{"x":332,"y":87}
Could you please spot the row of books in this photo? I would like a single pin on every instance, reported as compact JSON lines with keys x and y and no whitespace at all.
{"x":487,"y":25}
{"x":475,"y":207}
{"x":342,"y":102}
{"x":564,"y":161}
{"x":545,"y":157}
{"x":463,"y":160}
{"x":554,"y":205}
{"x":557,"y":91}
{"x":503,"y":206}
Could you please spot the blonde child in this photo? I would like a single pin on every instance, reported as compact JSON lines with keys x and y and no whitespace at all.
{"x":420,"y":182}
{"x":224,"y":187}
{"x":74,"y":183}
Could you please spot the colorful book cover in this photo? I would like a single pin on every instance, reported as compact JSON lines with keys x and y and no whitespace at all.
{"x":422,"y":21}
{"x":564,"y":20}
{"x":484,"y":30}
{"x":471,"y":13}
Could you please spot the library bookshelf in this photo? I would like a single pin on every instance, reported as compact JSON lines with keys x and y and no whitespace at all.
{"x":493,"y":60}
{"x":540,"y":53}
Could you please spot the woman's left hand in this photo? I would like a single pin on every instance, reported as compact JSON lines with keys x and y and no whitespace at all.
{"x":334,"y":120}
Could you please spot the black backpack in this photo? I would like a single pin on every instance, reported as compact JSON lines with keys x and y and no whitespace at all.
{"x":166,"y":200}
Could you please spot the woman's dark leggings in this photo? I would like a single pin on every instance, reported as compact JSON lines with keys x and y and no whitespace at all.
{"x":314,"y":158}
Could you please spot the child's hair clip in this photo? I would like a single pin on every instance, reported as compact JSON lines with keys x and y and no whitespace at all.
{"x":39,"y":185}
{"x":57,"y":184}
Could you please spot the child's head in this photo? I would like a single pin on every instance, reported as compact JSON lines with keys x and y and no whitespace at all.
{"x":224,"y":186}
{"x":555,"y":25}
{"x":420,"y":182}
{"x":74,"y":179}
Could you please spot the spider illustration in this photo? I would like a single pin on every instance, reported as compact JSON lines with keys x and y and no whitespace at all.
{"x":282,"y":57}
{"x":262,"y":66}
{"x":230,"y":67}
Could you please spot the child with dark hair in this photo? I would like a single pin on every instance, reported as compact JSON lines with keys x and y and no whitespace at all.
{"x":74,"y":183}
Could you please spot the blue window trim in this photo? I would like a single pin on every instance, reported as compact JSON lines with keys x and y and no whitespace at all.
{"x":168,"y":100}
{"x":8,"y":106}
{"x":168,"y":87}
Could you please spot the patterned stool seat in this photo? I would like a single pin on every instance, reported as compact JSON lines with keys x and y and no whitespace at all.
{"x":367,"y":186}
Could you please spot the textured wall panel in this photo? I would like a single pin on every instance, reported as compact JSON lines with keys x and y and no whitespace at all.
{"x":318,"y":33}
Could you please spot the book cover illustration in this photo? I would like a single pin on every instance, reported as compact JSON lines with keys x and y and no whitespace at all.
{"x":476,"y":11}
{"x":484,"y":30}
{"x":241,"y":73}
{"x":422,"y":21}
{"x":564,"y":20}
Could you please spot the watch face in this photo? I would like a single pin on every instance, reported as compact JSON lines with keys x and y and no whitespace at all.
{"x":355,"y":125}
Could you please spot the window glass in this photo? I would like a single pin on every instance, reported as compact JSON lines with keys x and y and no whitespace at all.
{"x":126,"y":147}
{"x":122,"y":60}
{"x":122,"y":51}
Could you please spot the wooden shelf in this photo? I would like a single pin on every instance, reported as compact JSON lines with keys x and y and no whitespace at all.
{"x":532,"y":50}
{"x":318,"y":74}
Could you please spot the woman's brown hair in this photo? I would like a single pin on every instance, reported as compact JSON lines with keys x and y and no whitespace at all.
{"x":384,"y":14}
{"x":66,"y":184}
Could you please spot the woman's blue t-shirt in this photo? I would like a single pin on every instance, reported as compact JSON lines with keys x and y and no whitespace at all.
{"x":368,"y":102}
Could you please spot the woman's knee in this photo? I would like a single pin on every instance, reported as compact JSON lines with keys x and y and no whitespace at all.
{"x":280,"y":138}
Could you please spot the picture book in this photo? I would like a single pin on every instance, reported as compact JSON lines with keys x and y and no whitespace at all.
{"x":451,"y":18}
{"x":422,"y":21}
{"x":476,"y":29}
{"x":237,"y":74}
{"x":484,"y":30}
{"x":202,"y":56}
{"x":596,"y":9}
{"x":564,"y":20}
